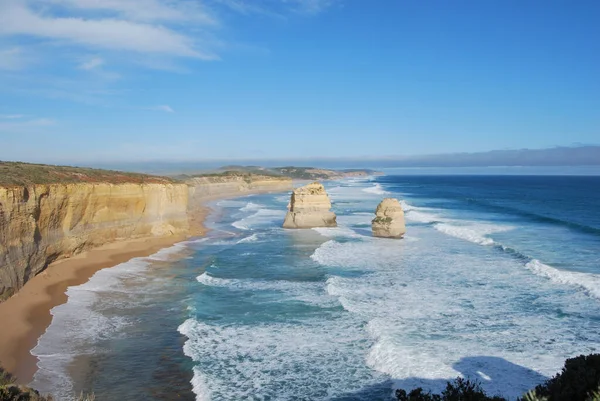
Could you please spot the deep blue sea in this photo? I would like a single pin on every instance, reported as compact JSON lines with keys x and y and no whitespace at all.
{"x":497,"y":279}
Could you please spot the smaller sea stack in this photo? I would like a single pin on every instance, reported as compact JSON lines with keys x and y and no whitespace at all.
{"x":310,"y":207}
{"x":389,"y":220}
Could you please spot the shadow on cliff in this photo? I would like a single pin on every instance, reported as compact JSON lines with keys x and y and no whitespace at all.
{"x":496,"y":375}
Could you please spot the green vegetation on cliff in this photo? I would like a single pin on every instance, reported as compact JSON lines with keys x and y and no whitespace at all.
{"x":298,"y":173}
{"x":23,"y":174}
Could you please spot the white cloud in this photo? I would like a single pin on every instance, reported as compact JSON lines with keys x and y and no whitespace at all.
{"x":146,"y":10}
{"x":11,"y":116}
{"x":278,"y":8}
{"x":92,"y":63}
{"x":104,"y":33}
{"x":311,"y":6}
{"x":164,"y":107}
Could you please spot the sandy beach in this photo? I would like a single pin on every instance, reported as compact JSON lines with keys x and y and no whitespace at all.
{"x":26,"y":315}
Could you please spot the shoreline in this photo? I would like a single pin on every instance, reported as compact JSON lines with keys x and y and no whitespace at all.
{"x":26,"y":315}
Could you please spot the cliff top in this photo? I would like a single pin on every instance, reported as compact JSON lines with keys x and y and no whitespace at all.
{"x":226,"y":176}
{"x":314,"y":188}
{"x":301,"y":173}
{"x":18,"y":174}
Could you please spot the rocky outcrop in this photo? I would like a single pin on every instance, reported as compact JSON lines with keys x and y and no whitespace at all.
{"x":389,"y":220}
{"x":310,"y":207}
{"x":42,"y":223}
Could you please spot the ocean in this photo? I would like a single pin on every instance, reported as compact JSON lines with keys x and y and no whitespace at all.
{"x":497,"y":279}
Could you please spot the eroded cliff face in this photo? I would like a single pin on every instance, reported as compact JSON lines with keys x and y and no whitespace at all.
{"x":389,"y":219}
{"x":202,"y":188}
{"x":42,"y":223}
{"x":310,"y":207}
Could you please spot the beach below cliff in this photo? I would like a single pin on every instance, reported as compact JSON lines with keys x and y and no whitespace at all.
{"x":26,"y":315}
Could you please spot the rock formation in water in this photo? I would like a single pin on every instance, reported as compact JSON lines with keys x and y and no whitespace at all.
{"x":389,"y":220}
{"x":309,"y":207}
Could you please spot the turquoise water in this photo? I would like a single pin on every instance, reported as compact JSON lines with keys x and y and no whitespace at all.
{"x":498,"y":279}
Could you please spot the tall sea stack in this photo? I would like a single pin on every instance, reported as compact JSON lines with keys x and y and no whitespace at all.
{"x":310,"y":207}
{"x":389,"y":220}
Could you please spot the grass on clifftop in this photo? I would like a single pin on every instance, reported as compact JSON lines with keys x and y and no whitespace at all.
{"x":20,"y":174}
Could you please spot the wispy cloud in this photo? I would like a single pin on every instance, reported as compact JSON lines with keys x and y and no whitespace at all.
{"x":81,"y":48}
{"x":278,"y":8}
{"x":116,"y":33}
{"x":92,"y":63}
{"x":146,"y":10}
{"x":310,"y":6}
{"x":11,"y":116}
{"x":165,"y":108}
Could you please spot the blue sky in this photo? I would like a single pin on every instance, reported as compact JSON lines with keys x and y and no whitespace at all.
{"x":134,"y":80}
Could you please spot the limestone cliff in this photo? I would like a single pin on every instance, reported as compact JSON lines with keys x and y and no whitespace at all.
{"x":45,"y":222}
{"x":206,"y":187}
{"x":310,"y":207}
{"x":389,"y":219}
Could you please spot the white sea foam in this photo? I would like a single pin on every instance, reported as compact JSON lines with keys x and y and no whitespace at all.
{"x":83,"y":317}
{"x":473,"y":234}
{"x":209,"y":280}
{"x":376,"y":189}
{"x":283,"y":199}
{"x":333,"y":232}
{"x":424,"y":305}
{"x":355,"y":219}
{"x":252,"y":238}
{"x":279,"y":360}
{"x":260,"y":218}
{"x":231,"y":203}
{"x":419,"y":311}
{"x":88,"y":317}
{"x":251,"y":207}
{"x":169,"y":253}
{"x":421,"y":214}
{"x":200,"y":385}
{"x":303,"y":291}
{"x":588,"y":281}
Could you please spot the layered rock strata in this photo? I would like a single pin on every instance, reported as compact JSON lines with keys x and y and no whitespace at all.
{"x":389,"y":219}
{"x":203,"y":188}
{"x":309,"y":207}
{"x":42,"y":223}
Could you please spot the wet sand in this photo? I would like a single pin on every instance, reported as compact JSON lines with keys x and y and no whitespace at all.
{"x":25,"y":316}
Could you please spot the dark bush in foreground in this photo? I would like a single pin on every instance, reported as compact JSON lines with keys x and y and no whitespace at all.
{"x":458,"y":390}
{"x":579,"y":380}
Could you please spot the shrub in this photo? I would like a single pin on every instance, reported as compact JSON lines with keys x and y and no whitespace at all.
{"x":579,"y":380}
{"x":458,"y":390}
